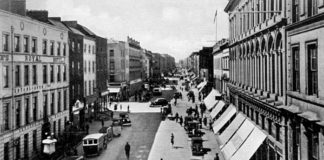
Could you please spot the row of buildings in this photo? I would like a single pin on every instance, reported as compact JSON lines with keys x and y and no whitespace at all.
{"x":269,"y":69}
{"x":57,"y":73}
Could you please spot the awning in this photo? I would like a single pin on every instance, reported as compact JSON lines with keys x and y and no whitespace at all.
{"x":217,"y":109}
{"x":114,"y":90}
{"x":250,"y":146}
{"x":104,"y":93}
{"x":321,"y":123}
{"x":210,"y":100}
{"x":200,"y":89}
{"x":224,"y":118}
{"x":292,"y":108}
{"x":237,"y":140}
{"x":309,"y":115}
{"x":202,"y":84}
{"x":231,"y":129}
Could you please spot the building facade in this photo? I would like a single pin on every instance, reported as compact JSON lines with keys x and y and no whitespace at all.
{"x":304,"y":113}
{"x":34,"y":91}
{"x":102,"y":70}
{"x":258,"y":70}
{"x":221,"y":67}
{"x":135,"y":53}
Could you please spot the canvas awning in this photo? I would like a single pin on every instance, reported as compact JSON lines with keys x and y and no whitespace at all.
{"x":250,"y":146}
{"x":210,"y":101}
{"x":114,"y":90}
{"x":202,"y":84}
{"x":231,"y":129}
{"x":309,"y":115}
{"x":217,"y":109}
{"x":200,"y":89}
{"x":237,"y":140}
{"x":224,"y":118}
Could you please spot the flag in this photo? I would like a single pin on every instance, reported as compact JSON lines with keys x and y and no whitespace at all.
{"x":215,"y":16}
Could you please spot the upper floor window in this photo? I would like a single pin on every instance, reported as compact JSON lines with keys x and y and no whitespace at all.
{"x":111,"y":53}
{"x":72,"y":47}
{"x":52,"y":48}
{"x":5,"y":42}
{"x":45,"y":74}
{"x":312,"y":8}
{"x":64,"y":49}
{"x":34,"y":74}
{"x":26,"y":44}
{"x":26,"y":72}
{"x":295,"y":69}
{"x":17,"y":43}
{"x":295,"y":10}
{"x":85,"y":48}
{"x":44,"y":47}
{"x":58,"y":48}
{"x":5,"y":76}
{"x":312,"y":69}
{"x":52,"y":73}
{"x":33,"y":45}
{"x":58,"y":73}
{"x":17,"y":75}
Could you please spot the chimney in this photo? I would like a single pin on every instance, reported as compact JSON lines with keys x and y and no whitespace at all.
{"x":55,"y":18}
{"x":73,"y":24}
{"x":14,"y":6}
{"x":40,"y":15}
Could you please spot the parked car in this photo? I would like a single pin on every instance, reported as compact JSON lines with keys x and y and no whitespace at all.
{"x":159,"y":102}
{"x":125,"y":119}
{"x":157,"y":91}
{"x":116,"y":126}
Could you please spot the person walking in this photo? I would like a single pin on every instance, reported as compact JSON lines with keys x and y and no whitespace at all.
{"x":128,"y":108}
{"x":121,"y":107}
{"x":102,"y":122}
{"x":172,"y":139}
{"x":180,"y":120}
{"x":216,"y":157}
{"x":127,"y":150}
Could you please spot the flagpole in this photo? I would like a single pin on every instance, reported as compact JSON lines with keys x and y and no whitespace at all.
{"x":216,"y":26}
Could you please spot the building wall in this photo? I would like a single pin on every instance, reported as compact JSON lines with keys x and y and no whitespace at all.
{"x":89,"y":69}
{"x":117,"y":61}
{"x":26,"y":27}
{"x":102,"y":65}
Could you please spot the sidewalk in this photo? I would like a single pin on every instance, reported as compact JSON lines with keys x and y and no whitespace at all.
{"x":162,"y":144}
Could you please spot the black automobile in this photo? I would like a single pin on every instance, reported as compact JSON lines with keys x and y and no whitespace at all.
{"x":159,"y":102}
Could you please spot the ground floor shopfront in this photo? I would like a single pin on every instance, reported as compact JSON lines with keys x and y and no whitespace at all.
{"x":261,"y":121}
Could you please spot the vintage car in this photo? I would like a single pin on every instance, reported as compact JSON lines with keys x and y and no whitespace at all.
{"x":157,"y":91}
{"x":197,"y":146}
{"x":108,"y":131}
{"x":93,"y":144}
{"x":125,"y":119}
{"x":116,"y":126}
{"x":159,"y":102}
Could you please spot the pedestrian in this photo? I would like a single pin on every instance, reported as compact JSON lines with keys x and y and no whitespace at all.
{"x":121,"y":107}
{"x":216,"y":157}
{"x":175,"y":102}
{"x":102,"y":122}
{"x":180,"y":120}
{"x":112,"y":114}
{"x":127,"y":150}
{"x":115,"y":107}
{"x":128,"y":108}
{"x":199,"y":96}
{"x":176,"y":117}
{"x":172,"y":139}
{"x":205,"y":121}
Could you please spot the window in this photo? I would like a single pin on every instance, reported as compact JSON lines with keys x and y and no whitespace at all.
{"x":44,"y":46}
{"x":26,"y":44}
{"x":312,"y":69}
{"x":89,"y":66}
{"x":85,"y":66}
{"x":35,"y":140}
{"x":45,"y":100}
{"x":314,"y":146}
{"x":90,"y":88}
{"x":312,"y":8}
{"x":72,"y":47}
{"x":44,"y":74}
{"x":65,"y":99}
{"x":17,"y":146}
{"x":34,"y":45}
{"x":85,"y":48}
{"x":18,"y":106}
{"x":34,"y":74}
{"x":52,"y":103}
{"x":52,"y":73}
{"x":111,"y":53}
{"x":89,"y":49}
{"x":26,"y":145}
{"x":26,"y":77}
{"x":58,"y":48}
{"x":52,"y":47}
{"x":5,"y":76}
{"x":17,"y":75}
{"x":64,"y":49}
{"x":270,"y":127}
{"x":59,"y":101}
{"x":6,"y":115}
{"x":64,"y":73}
{"x":59,"y":126}
{"x":295,"y":69}
{"x":93,"y":67}
{"x":17,"y":43}
{"x":27,"y":110}
{"x":34,"y":108}
{"x":6,"y":151}
{"x":295,"y":11}
{"x":58,"y":73}
{"x":5,"y":42}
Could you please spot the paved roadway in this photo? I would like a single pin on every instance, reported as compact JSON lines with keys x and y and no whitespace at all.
{"x":140,"y":135}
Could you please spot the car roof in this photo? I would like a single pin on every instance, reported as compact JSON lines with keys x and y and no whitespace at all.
{"x":93,"y":136}
{"x":160,"y":98}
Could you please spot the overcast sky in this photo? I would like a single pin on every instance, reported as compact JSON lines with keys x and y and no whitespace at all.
{"x":175,"y":27}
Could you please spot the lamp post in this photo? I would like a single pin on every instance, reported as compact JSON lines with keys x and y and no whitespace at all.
{"x":49,"y":145}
